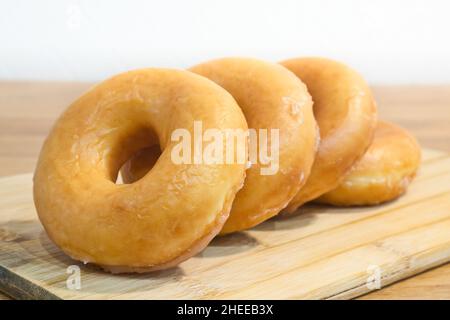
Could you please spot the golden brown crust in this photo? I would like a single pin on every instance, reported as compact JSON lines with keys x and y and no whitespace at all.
{"x":346,"y":114}
{"x":161,"y":219}
{"x":383,"y":173}
{"x":271,"y":97}
{"x":198,"y":246}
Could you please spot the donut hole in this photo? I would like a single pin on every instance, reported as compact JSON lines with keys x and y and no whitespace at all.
{"x":139,"y":164}
{"x":131,"y":142}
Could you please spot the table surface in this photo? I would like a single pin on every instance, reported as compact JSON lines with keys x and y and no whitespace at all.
{"x":28,"y":109}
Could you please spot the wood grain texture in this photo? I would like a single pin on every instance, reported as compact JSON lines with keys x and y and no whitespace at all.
{"x":28,"y":109}
{"x":433,"y":284}
{"x":319,"y":253}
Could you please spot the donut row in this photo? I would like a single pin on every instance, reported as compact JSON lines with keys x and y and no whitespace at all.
{"x":219,"y":148}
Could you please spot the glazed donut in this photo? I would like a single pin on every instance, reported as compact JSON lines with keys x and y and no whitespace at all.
{"x":383,"y":173}
{"x":165,"y":217}
{"x":271,"y":97}
{"x":346,"y":114}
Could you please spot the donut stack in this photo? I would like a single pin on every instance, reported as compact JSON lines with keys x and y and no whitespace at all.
{"x":330,"y":149}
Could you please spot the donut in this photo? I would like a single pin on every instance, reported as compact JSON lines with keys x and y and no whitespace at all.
{"x":383,"y":173}
{"x":346,"y":115}
{"x":271,"y":98}
{"x":165,"y":217}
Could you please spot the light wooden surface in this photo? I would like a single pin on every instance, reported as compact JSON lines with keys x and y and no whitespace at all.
{"x":322,"y":253}
{"x":27,"y":110}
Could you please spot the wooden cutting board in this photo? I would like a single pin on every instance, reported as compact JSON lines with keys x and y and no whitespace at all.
{"x":321,"y":252}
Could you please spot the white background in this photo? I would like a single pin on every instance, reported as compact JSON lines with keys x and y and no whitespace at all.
{"x":387,"y":41}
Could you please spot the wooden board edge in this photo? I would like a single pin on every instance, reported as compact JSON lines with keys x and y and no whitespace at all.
{"x":12,"y":179}
{"x":17,"y":287}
